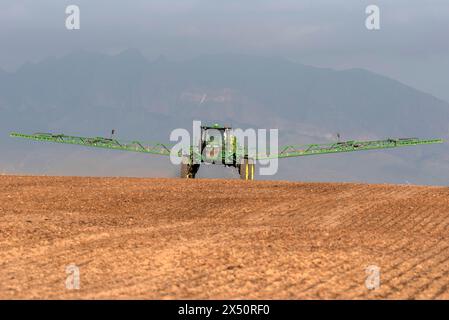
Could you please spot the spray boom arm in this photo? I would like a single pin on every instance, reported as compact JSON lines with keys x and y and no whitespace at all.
{"x":284,"y":152}
{"x":99,"y":142}
{"x":347,"y":146}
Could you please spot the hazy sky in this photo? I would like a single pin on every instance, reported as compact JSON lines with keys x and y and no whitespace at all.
{"x":411,"y":46}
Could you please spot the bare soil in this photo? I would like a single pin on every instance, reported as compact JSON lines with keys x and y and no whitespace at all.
{"x":222,"y":239}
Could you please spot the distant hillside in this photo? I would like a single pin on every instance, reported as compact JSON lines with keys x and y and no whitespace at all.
{"x":89,"y":94}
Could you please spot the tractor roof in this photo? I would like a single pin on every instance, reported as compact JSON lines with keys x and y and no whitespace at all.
{"x":215,"y":126}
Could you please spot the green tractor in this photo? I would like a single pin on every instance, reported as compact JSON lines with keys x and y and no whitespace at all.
{"x":219,"y":145}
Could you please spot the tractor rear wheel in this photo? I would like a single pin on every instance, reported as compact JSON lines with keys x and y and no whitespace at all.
{"x":188,"y":170}
{"x":246,"y":169}
{"x":185,"y":172}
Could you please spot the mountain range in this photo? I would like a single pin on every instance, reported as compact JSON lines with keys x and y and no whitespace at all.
{"x":89,"y":94}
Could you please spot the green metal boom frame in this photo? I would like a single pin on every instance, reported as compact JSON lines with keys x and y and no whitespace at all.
{"x":99,"y":142}
{"x":284,"y":152}
{"x":349,"y":146}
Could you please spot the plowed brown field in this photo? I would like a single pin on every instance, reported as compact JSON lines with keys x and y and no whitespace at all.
{"x":172,"y":238}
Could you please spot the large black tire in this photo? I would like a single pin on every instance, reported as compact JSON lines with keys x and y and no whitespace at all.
{"x":188,"y":171}
{"x":247,"y":169}
{"x":184,"y":174}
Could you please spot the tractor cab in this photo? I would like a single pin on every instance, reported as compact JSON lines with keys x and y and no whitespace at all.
{"x":217,"y":142}
{"x":217,"y":145}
